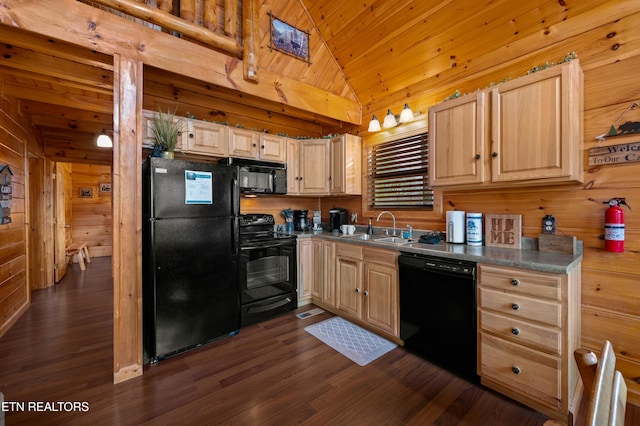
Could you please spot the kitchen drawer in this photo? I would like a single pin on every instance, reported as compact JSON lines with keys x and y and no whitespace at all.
{"x":384,"y":256}
{"x":538,"y":284}
{"x":522,"y":307}
{"x":538,"y":337}
{"x":353,"y":251}
{"x":527,"y":371}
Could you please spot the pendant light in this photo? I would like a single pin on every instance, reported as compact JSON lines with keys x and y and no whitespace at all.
{"x":406,"y":115}
{"x":104,"y":141}
{"x":389,"y":120}
{"x":374,"y":124}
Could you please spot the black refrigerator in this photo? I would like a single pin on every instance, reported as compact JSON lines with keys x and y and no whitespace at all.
{"x":189,"y":255}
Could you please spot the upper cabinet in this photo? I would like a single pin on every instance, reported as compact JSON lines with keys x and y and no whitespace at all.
{"x":308,"y":167}
{"x":346,"y":170}
{"x":535,"y":128}
{"x":206,"y":138}
{"x":324,"y":166}
{"x":259,"y":146}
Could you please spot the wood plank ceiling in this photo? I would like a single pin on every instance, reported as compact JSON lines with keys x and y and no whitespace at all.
{"x":389,"y":52}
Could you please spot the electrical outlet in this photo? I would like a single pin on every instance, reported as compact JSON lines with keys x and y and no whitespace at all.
{"x":354,"y":217}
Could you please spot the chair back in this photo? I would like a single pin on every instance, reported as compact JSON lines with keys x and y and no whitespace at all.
{"x":604,"y":387}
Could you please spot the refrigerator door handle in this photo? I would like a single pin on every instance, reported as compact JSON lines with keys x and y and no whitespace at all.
{"x":236,"y":195}
{"x":235,"y":236}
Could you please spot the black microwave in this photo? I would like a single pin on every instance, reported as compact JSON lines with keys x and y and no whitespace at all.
{"x":260,"y":177}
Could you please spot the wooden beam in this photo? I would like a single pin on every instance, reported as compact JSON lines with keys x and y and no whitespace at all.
{"x":127,"y":219}
{"x":77,"y":23}
{"x":251,"y":36}
{"x":183,"y":26}
{"x":59,"y":98}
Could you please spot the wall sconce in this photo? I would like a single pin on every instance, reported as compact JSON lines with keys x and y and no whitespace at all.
{"x":406,"y":115}
{"x":104,"y":141}
{"x":374,"y":124}
{"x":391,"y":120}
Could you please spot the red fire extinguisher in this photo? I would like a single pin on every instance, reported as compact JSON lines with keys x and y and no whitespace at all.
{"x":614,"y":225}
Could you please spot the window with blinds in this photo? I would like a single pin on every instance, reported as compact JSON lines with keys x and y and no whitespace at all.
{"x":397,"y":173}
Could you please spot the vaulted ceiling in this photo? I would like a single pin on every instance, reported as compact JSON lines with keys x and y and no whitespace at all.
{"x":390,"y":52}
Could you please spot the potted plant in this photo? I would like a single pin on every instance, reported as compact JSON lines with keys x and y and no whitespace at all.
{"x":166,"y":128}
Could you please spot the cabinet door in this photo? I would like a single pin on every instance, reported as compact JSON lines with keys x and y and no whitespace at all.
{"x":273,"y":148}
{"x":381,"y":297}
{"x":305,"y":269}
{"x":314,"y":167}
{"x":317,"y":288}
{"x":329,"y":273}
{"x":243,"y":143}
{"x":293,"y":167}
{"x":346,"y":165}
{"x":207,"y":138}
{"x":349,"y":286}
{"x":457,"y":141}
{"x":147,"y":135}
{"x":537,"y":126}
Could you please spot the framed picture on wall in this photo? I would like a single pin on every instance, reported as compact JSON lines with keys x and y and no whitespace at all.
{"x":86,"y":192}
{"x":105,"y":186}
{"x":290,"y":40}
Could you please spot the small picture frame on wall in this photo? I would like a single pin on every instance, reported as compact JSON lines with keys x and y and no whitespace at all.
{"x":105,"y":186}
{"x":86,"y":192}
{"x":290,"y":40}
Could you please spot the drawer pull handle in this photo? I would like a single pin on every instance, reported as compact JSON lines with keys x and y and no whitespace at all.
{"x":515,"y":331}
{"x":515,"y":281}
{"x":515,"y":306}
{"x":516,"y":370}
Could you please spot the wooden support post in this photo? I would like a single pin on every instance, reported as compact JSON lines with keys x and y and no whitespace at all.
{"x":251,"y":29}
{"x":230,"y":17}
{"x":127,"y":218}
{"x":210,"y":15}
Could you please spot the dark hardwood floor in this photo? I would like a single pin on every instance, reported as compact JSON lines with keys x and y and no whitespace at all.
{"x":60,"y":353}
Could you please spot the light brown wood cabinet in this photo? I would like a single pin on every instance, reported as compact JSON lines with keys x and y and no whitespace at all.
{"x":258,"y":146}
{"x":147,"y":135}
{"x":346,"y":170}
{"x":525,"y":131}
{"x":206,"y":138}
{"x":308,"y":167}
{"x":367,"y":286}
{"x":316,"y":266}
{"x":529,"y":326}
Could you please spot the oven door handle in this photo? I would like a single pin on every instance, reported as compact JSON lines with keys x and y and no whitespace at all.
{"x":257,"y":309}
{"x":270,"y":244}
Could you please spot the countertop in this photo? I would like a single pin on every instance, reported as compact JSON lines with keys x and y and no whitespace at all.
{"x":527,"y":259}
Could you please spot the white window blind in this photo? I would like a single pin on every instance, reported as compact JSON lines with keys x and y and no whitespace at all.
{"x":397,"y":173}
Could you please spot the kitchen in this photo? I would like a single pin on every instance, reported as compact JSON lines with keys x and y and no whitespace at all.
{"x":596,"y":31}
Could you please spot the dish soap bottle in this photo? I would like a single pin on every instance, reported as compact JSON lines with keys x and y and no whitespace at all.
{"x":370,"y":228}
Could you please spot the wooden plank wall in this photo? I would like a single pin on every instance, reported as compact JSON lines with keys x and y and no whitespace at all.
{"x":14,"y":288}
{"x":91,"y":217}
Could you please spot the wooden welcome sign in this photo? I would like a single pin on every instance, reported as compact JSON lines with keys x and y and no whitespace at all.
{"x":503,"y":230}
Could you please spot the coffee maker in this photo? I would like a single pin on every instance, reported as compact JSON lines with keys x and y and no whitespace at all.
{"x":301,"y":220}
{"x":337,"y":217}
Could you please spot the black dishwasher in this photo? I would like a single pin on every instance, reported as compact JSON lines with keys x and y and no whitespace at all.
{"x":438,"y":311}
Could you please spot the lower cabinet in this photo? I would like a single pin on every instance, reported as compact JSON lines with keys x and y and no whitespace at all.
{"x":309,"y":270}
{"x":367,"y":286}
{"x":529,"y":326}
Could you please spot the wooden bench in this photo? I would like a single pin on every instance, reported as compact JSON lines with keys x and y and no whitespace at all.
{"x":80,"y":251}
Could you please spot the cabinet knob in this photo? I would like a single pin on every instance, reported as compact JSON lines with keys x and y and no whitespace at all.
{"x":515,"y":306}
{"x":366,"y":293}
{"x":190,"y":135}
{"x":494,"y":154}
{"x":515,"y":331}
{"x":477,"y":156}
{"x":357,"y":290}
{"x":515,"y":281}
{"x":516,"y":370}
{"x":261,"y":146}
{"x":253,"y":145}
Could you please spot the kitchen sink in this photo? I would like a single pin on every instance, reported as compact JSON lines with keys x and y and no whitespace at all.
{"x":361,"y":237}
{"x":394,"y":240}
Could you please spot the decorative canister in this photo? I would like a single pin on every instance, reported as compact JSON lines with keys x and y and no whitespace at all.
{"x":474,"y":229}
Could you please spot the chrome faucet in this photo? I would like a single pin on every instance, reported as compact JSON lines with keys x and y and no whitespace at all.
{"x":394,"y":221}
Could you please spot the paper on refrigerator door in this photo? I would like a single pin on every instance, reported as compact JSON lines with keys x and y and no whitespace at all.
{"x":198,"y":187}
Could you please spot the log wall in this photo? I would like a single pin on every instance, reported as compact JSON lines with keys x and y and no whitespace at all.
{"x":14,"y":287}
{"x":91,"y":217}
